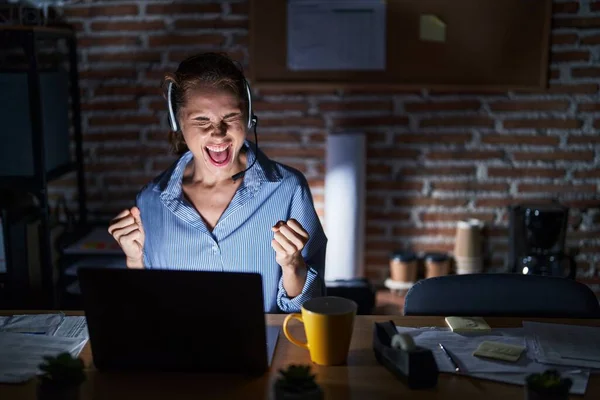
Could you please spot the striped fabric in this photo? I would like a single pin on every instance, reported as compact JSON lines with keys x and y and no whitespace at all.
{"x":177,"y":238}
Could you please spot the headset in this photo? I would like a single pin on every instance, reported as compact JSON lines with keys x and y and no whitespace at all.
{"x":251,"y":124}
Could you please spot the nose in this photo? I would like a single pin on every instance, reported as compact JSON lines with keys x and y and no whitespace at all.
{"x":221,"y":129}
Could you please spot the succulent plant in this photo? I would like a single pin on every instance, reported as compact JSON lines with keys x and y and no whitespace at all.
{"x":62,"y":371}
{"x":297,"y":379}
{"x":549,"y":381}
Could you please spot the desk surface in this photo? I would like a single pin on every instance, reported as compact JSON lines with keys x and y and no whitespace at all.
{"x":362,"y":378}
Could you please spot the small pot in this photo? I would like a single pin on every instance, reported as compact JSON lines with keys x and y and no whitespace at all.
{"x":281,"y":394}
{"x":48,"y":392}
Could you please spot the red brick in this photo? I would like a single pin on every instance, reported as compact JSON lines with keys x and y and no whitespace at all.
{"x":375,"y":230}
{"x":508,"y":172}
{"x":101,"y":11}
{"x":299,"y":152}
{"x":546,"y":188}
{"x":356,"y":106}
{"x":316,"y":183}
{"x":429,"y":202}
{"x":585,"y":72}
{"x":370,"y":121}
{"x":597,"y":124}
{"x":470,"y":186}
{"x":584,"y":139}
{"x":177,"y":40}
{"x":378,"y":169}
{"x":183,"y":8}
{"x":269,"y":138}
{"x":570,"y":7}
{"x":583,"y":203}
{"x":482,"y":122}
{"x":534,"y":140}
{"x":592,"y":40}
{"x":316,"y":122}
{"x":240,"y":8}
{"x":557,"y":105}
{"x":143,"y":56}
{"x":317,"y":138}
{"x":240,"y":40}
{"x":116,"y":166}
{"x":412,"y":232}
{"x":388,"y":216}
{"x":128,"y":180}
{"x":569,"y":56}
{"x":554,"y":74}
{"x":564,"y":38}
{"x":110,"y":105}
{"x":178,"y":56}
{"x":375,"y":200}
{"x":211,"y":24}
{"x":124,"y":120}
{"x":433,"y":171}
{"x":392,"y":153}
{"x":493,"y":202}
{"x":305,"y":90}
{"x":581,"y":88}
{"x":455,"y":217}
{"x":554,"y":155}
{"x":425,"y":247}
{"x":263,"y":106}
{"x":376,"y":138}
{"x":589,"y":107}
{"x":463,"y":105}
{"x":548,"y":123}
{"x":583,"y":23}
{"x":127,"y":90}
{"x":108,"y":74}
{"x":434,"y":138}
{"x":128,"y":25}
{"x":464,"y":154}
{"x":132,"y":151}
{"x":106,"y":41}
{"x":394,"y":185}
{"x":586,"y":173}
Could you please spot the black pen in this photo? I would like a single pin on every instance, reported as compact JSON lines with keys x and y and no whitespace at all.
{"x":452,"y":360}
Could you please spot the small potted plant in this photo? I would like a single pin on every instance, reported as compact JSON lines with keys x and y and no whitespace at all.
{"x":61,"y":378}
{"x":547,"y":386}
{"x":297,"y":383}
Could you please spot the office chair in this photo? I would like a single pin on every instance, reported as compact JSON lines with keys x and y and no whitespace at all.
{"x":512,"y":295}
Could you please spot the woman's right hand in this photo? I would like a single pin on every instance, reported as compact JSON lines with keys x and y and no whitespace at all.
{"x":128,"y":231}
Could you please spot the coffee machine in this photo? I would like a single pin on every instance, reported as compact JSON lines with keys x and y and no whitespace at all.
{"x":537,"y":240}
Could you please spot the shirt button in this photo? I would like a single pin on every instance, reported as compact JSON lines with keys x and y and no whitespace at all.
{"x":215,"y":249}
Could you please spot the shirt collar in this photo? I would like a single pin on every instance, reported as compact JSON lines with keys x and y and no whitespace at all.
{"x":264,"y":170}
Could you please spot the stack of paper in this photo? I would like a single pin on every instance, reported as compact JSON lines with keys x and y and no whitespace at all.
{"x":559,"y":344}
{"x":26,"y":339}
{"x":462,"y":346}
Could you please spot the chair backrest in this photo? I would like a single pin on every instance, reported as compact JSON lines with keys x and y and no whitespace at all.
{"x":502,"y":295}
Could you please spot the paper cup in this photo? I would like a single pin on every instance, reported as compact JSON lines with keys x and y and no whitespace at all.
{"x":468,"y":239}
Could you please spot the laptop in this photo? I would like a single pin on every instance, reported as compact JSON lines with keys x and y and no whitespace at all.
{"x":170,"y":320}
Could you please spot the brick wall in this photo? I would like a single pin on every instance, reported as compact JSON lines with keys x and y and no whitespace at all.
{"x":433,"y":156}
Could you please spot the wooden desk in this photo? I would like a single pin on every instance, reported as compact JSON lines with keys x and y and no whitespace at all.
{"x":362,"y":378}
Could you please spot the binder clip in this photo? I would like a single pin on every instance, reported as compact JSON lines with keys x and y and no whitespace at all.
{"x":415,"y":366}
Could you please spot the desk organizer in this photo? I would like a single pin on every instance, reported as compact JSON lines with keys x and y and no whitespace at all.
{"x":416,"y":368}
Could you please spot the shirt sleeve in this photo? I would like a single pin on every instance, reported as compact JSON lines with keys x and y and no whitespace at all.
{"x":141,"y":205}
{"x":303,"y":210}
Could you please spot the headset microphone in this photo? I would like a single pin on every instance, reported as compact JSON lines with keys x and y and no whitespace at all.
{"x":252,"y":122}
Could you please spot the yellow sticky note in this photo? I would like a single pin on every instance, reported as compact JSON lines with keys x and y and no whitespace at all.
{"x":432,"y":29}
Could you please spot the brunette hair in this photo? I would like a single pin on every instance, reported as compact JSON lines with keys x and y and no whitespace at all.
{"x":215,"y":70}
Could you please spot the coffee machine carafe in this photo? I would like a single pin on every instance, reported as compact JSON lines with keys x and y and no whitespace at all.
{"x":537,"y":240}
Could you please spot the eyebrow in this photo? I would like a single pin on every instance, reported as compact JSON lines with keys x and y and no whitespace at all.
{"x":232,"y":114}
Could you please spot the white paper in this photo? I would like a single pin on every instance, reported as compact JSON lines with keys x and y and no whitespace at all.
{"x":336,"y":35}
{"x":97,"y":241}
{"x":577,"y":346}
{"x":21,"y":354}
{"x":345,"y":205}
{"x":40,"y":324}
{"x":3,"y":321}
{"x":462,"y":346}
{"x":73,"y":326}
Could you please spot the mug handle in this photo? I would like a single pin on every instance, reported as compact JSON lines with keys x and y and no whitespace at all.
{"x":289,"y":335}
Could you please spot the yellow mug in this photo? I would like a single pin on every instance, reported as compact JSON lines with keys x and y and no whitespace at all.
{"x":328,"y":323}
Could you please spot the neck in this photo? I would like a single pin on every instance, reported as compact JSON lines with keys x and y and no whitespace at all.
{"x":197,"y":173}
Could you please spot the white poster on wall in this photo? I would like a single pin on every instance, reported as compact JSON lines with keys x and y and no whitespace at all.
{"x":336,"y":35}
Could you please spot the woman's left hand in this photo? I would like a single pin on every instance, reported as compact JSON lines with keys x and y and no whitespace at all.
{"x":288,"y":242}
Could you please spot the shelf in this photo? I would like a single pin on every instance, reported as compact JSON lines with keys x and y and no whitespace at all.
{"x":66,"y":30}
{"x":28,"y":182}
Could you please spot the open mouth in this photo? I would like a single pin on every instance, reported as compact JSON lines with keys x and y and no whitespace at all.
{"x":219,"y":155}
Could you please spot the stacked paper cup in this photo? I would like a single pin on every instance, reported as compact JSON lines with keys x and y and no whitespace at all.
{"x":468,"y":247}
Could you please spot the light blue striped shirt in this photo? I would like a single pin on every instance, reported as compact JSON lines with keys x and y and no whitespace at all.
{"x":177,"y":237}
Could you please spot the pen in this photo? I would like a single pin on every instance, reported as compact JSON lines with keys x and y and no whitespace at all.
{"x":452,"y":360}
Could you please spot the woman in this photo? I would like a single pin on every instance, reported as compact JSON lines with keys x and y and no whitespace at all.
{"x":196,"y":216}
